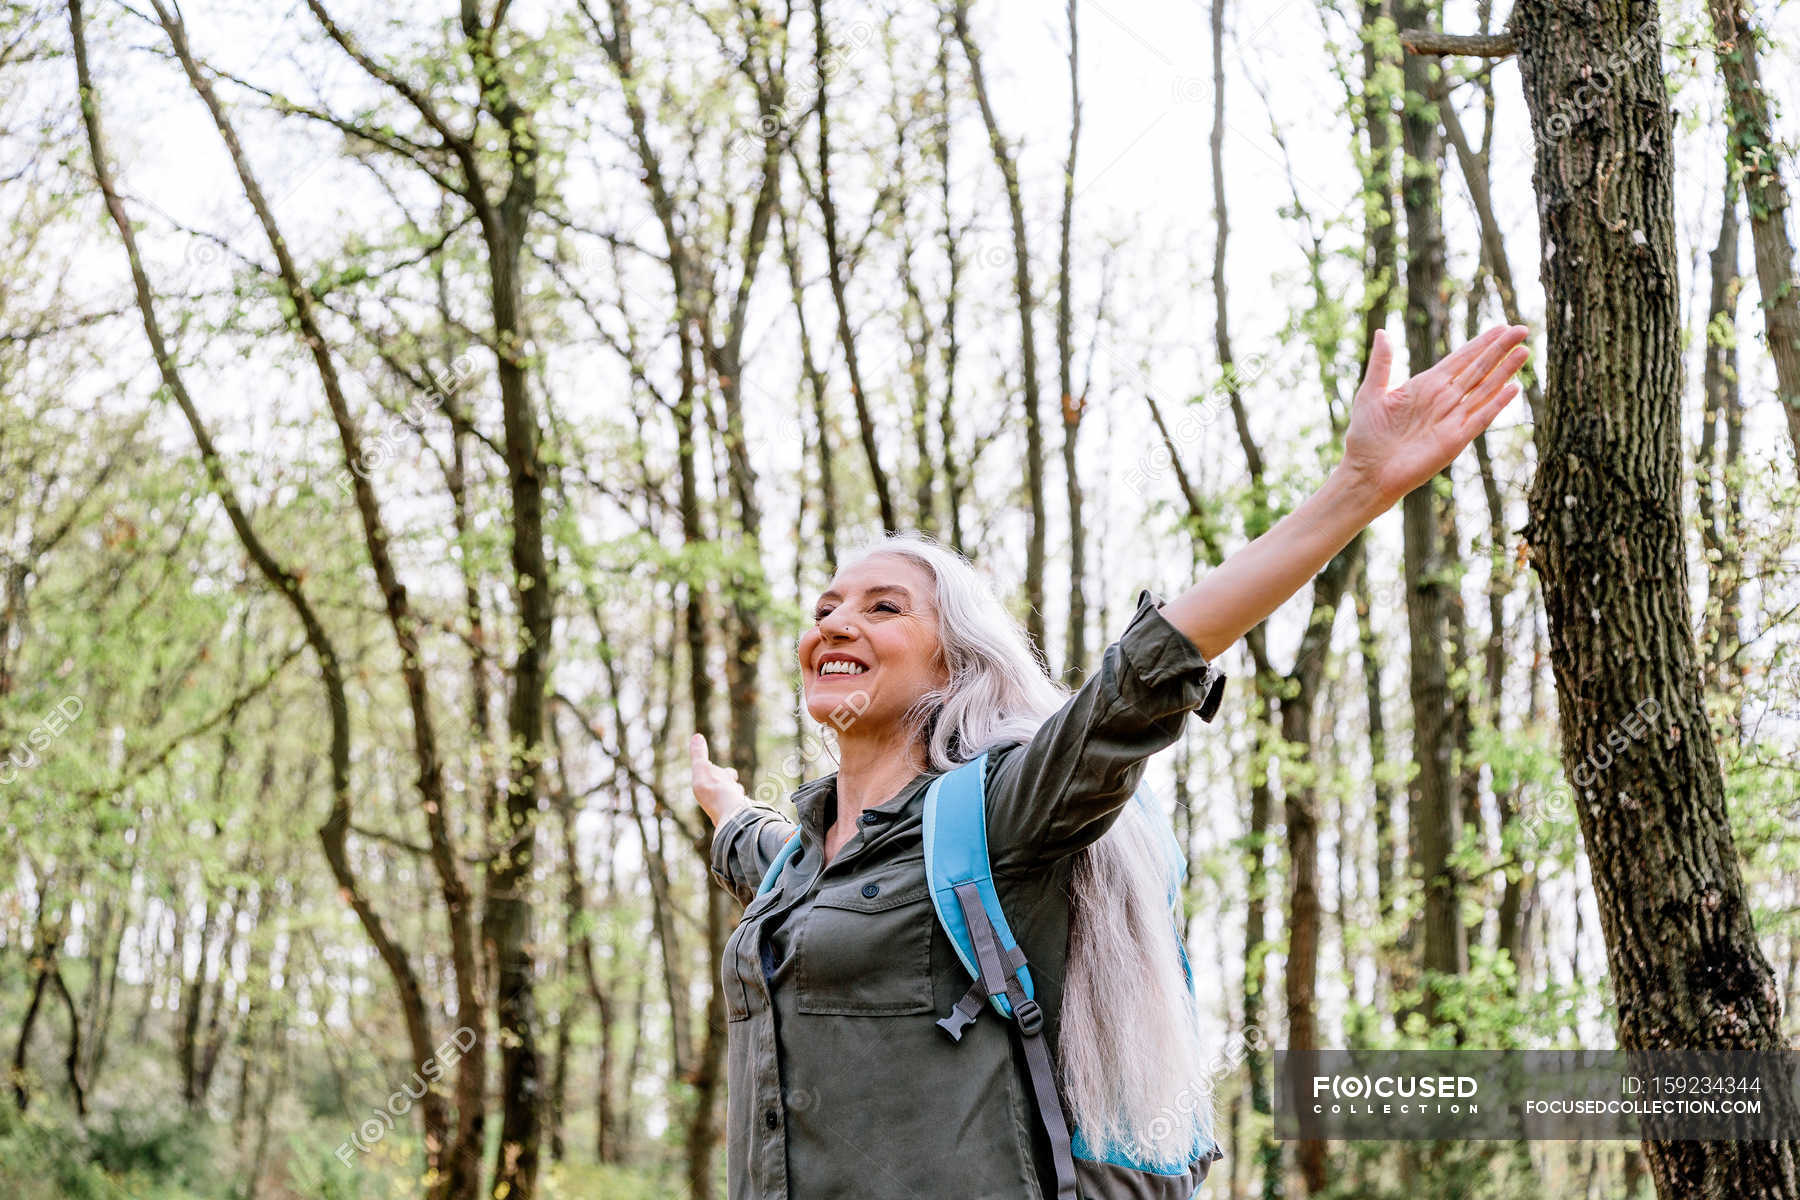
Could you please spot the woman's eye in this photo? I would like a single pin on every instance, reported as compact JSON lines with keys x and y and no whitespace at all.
{"x":887,"y":606}
{"x":821,"y":613}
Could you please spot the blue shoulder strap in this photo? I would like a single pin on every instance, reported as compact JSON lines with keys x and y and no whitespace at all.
{"x":788,"y":849}
{"x":956,"y":856}
{"x":956,"y":852}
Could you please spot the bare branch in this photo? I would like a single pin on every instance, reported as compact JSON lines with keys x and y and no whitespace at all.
{"x":1472,"y":45}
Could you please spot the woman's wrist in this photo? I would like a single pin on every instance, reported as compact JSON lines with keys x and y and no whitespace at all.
{"x":1349,"y":490}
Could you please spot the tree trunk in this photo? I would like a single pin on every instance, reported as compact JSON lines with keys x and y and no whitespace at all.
{"x":1380,"y":275}
{"x":1758,"y":155}
{"x":955,"y":473}
{"x":1717,"y":464}
{"x":836,"y":272}
{"x":1073,"y":405}
{"x":1037,"y":511}
{"x":815,"y":386}
{"x":1302,"y":813}
{"x":1606,"y":536}
{"x":1434,"y":801}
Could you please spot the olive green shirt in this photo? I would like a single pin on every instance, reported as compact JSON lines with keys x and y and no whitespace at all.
{"x":841,"y":1084}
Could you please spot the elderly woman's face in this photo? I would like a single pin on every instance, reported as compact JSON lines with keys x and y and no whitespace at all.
{"x":873,"y":648}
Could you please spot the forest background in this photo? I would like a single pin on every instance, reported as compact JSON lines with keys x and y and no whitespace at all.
{"x":414,"y":422}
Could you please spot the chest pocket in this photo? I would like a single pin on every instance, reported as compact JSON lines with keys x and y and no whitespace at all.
{"x":865,"y":946}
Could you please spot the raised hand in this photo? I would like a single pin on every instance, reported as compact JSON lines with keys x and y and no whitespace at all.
{"x":715,"y":787}
{"x":1400,"y":437}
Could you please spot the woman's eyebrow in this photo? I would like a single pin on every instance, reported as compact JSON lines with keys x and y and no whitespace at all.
{"x":878,"y":590}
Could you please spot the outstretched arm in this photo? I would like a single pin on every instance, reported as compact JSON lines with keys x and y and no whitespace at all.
{"x":1398,"y":438}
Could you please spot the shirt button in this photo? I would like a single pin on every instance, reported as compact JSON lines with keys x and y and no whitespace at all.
{"x":871,"y":890}
{"x":771,"y":1118}
{"x":870,"y":818}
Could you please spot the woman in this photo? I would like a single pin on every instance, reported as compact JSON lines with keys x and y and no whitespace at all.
{"x":840,"y":1082}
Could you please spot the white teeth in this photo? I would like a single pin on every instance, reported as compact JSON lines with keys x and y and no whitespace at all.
{"x":838,"y":666}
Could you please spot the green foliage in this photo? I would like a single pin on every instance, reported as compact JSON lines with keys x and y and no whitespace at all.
{"x":571,"y":1181}
{"x":128,"y":1154}
{"x":1459,"y":1170}
{"x":156,"y":1143}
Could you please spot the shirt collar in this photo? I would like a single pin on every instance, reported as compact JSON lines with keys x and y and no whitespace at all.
{"x":816,"y":801}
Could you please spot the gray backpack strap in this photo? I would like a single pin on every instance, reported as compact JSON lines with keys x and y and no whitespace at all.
{"x":996,"y":980}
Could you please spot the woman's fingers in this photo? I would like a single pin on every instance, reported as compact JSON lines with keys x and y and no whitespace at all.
{"x":1483,"y":415}
{"x":705,"y":774}
{"x":1471,"y":362}
{"x":1482,"y":365}
{"x":1452,"y":364}
{"x":1483,"y":387}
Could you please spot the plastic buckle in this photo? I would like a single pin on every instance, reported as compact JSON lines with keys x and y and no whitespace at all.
{"x":1029,"y":1016}
{"x":955,"y":1023}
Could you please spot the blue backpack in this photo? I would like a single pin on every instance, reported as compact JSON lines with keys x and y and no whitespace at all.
{"x":962,"y":892}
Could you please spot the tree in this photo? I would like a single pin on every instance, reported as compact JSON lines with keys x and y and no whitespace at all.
{"x":1686,"y":968}
{"x":1758,"y":157}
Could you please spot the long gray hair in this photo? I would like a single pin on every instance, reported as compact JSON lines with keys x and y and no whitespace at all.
{"x":1133,"y":1069}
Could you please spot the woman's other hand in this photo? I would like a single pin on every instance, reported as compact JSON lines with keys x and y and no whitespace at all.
{"x":715,"y":787}
{"x":1400,"y":437}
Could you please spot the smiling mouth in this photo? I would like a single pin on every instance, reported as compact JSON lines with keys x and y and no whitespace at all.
{"x":838,"y":666}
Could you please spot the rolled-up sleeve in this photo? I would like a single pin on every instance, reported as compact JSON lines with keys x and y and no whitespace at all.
{"x":1059,"y":792}
{"x":745,"y":845}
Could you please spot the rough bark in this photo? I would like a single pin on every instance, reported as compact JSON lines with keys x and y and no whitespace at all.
{"x":1605,"y":531}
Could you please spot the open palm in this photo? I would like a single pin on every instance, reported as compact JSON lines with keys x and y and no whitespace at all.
{"x":1399,"y":437}
{"x":715,"y":787}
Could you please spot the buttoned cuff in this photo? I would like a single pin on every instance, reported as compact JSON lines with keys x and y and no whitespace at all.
{"x":724,"y":839}
{"x":721,"y":839}
{"x":1163,"y":657}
